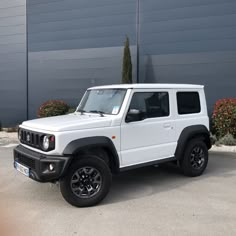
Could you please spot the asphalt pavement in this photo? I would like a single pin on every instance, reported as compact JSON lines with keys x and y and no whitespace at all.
{"x":147,"y":201}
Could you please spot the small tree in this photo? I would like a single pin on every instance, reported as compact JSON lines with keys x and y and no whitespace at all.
{"x":127,"y":64}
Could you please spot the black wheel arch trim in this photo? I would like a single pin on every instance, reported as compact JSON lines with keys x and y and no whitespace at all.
{"x":189,"y":133}
{"x":94,"y":142}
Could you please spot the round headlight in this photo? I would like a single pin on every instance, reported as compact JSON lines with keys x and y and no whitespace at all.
{"x":45,"y":143}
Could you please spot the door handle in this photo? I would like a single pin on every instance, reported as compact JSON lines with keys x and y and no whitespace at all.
{"x":167,"y":125}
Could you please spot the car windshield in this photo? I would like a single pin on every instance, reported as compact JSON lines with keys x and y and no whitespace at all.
{"x":102,"y":101}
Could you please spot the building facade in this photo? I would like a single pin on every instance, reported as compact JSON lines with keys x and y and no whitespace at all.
{"x":13,"y":69}
{"x":56,"y":49}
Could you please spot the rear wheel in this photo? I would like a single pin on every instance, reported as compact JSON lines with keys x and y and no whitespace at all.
{"x":87,"y":183}
{"x":195,"y":158}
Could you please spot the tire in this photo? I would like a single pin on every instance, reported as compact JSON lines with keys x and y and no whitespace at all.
{"x":87,"y":182}
{"x":195,"y":158}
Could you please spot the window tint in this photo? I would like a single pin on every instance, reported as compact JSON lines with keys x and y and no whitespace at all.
{"x":151,"y":104}
{"x":188,"y":102}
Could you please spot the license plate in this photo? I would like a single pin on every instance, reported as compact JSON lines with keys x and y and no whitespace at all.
{"x":22,"y":169}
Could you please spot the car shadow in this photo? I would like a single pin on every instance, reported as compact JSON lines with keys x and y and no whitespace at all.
{"x":147,"y":181}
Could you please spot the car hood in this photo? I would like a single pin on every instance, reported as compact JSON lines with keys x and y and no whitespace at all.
{"x":69,"y":122}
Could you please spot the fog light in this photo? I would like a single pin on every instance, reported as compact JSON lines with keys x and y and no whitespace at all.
{"x":51,"y":167}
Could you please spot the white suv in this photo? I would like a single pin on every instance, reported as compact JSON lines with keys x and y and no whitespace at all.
{"x":116,"y":128}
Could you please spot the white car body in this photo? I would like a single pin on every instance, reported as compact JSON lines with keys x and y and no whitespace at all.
{"x":136,"y":143}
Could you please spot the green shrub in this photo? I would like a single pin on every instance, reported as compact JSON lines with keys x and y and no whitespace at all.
{"x":213,"y":139}
{"x":228,"y":140}
{"x":53,"y":108}
{"x":71,"y":110}
{"x":224,"y":117}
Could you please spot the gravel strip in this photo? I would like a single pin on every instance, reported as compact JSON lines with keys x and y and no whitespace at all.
{"x":8,"y":138}
{"x":223,"y":148}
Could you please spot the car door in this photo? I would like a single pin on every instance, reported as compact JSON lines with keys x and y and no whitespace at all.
{"x":151,"y":135}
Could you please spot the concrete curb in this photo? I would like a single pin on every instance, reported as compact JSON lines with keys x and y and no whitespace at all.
{"x":223,"y":148}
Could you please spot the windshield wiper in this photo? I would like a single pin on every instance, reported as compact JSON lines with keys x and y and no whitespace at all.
{"x":101,"y":113}
{"x":81,"y":111}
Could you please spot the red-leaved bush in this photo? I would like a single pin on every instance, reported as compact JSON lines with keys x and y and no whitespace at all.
{"x":224,"y":117}
{"x":53,"y":108}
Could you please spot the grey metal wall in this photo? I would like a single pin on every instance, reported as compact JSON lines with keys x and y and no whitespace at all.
{"x":12,"y":62}
{"x":189,"y":41}
{"x":75,"y":44}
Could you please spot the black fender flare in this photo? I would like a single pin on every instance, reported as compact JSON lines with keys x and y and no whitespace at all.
{"x":189,"y":133}
{"x":93,"y":142}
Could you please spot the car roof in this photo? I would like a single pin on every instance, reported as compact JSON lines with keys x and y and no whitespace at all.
{"x":149,"y":86}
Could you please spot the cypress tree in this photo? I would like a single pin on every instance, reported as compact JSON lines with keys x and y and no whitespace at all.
{"x":127,"y":64}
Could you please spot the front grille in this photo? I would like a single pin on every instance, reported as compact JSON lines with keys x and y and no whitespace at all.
{"x":35,"y":139}
{"x":22,"y":159}
{"x":30,"y":138}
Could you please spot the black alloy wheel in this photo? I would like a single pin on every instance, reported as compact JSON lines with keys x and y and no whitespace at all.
{"x":87,"y":182}
{"x":195,"y":158}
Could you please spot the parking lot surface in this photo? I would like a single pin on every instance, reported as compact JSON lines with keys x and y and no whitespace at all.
{"x":147,"y":201}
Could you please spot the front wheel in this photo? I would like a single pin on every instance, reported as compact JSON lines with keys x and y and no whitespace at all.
{"x":87,"y":183}
{"x":195,"y":158}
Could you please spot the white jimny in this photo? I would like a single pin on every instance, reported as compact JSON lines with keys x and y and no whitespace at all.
{"x":116,"y":128}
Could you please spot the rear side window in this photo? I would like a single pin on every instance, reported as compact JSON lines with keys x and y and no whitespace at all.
{"x":188,"y":103}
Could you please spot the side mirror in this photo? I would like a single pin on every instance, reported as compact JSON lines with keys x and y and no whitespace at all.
{"x":133,"y":115}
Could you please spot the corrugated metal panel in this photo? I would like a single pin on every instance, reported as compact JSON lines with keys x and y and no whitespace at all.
{"x":76,"y":44}
{"x":190,"y":41}
{"x":61,"y":25}
{"x":66,"y":74}
{"x":12,"y":62}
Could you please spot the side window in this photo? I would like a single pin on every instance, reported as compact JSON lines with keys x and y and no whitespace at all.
{"x":151,"y":104}
{"x":188,"y":103}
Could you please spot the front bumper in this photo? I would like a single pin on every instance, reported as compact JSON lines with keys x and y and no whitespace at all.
{"x":38,"y":164}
